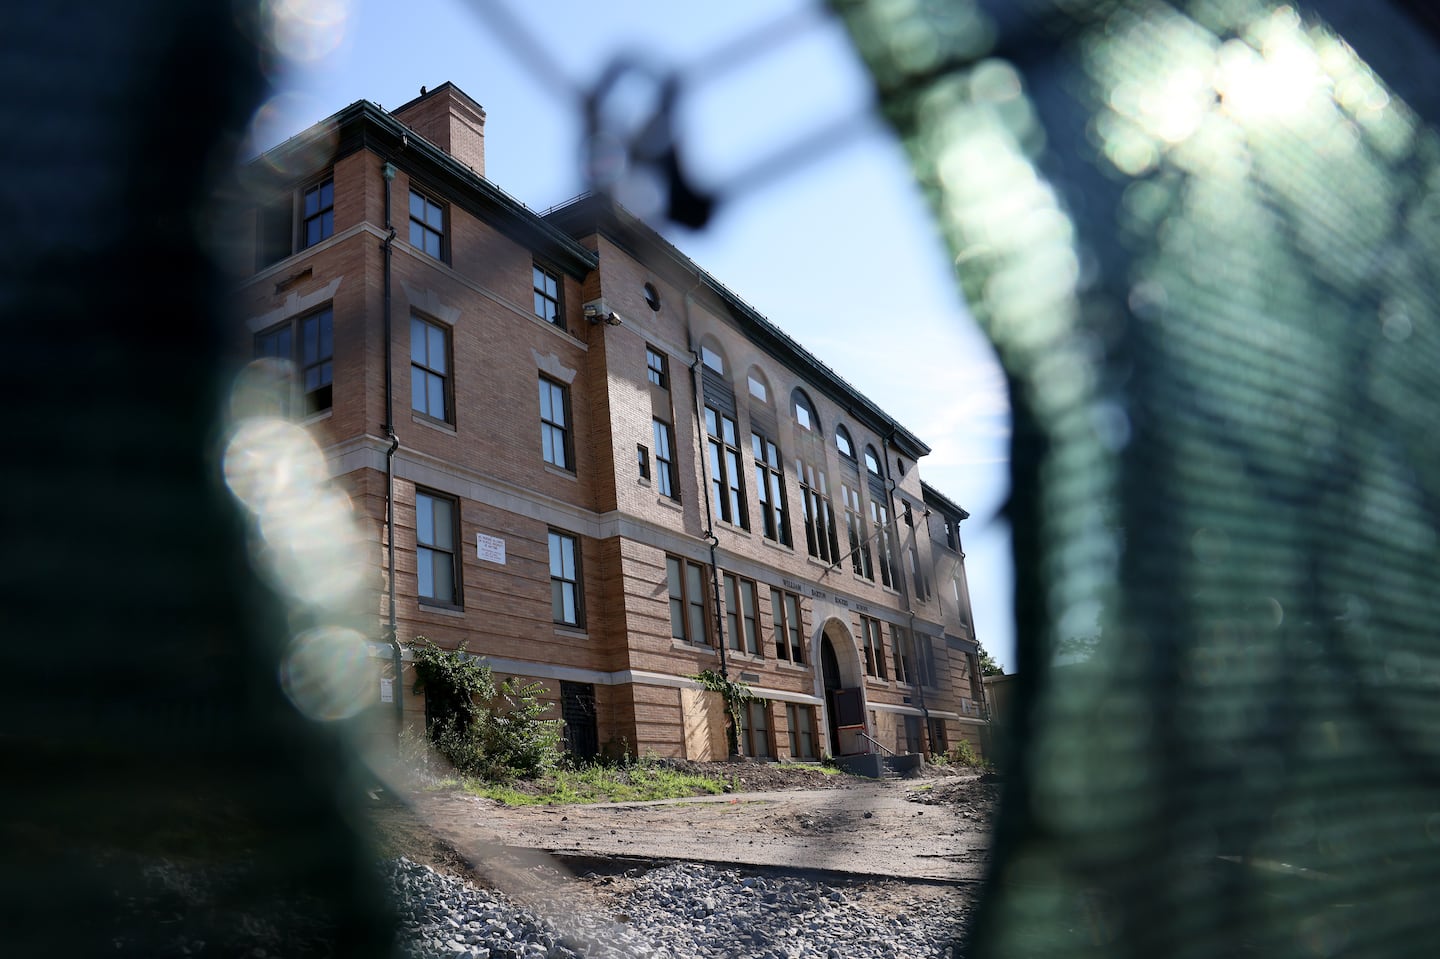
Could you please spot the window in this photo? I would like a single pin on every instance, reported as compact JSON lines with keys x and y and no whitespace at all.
{"x":870,"y":638}
{"x":429,"y":369}
{"x":309,"y":343}
{"x":318,"y":205}
{"x":952,"y":533}
{"x":436,"y":560}
{"x":652,"y":297}
{"x":547,"y":296}
{"x":642,"y":459}
{"x":917,"y":572}
{"x":859,"y":537}
{"x":555,"y":424}
{"x":805,"y":416}
{"x":742,"y":626}
{"x":657,"y":369}
{"x":900,"y":654}
{"x":726,"y":490}
{"x":939,"y":742}
{"x":427,"y":225}
{"x":924,"y":660}
{"x":820,"y":536}
{"x":712,"y":359}
{"x":770,"y":490}
{"x":665,"y":461}
{"x":801,"y":721}
{"x":688,"y":621}
{"x":872,"y":463}
{"x":755,"y":729}
{"x":785,"y":612}
{"x":880,"y":519}
{"x":565,"y":590}
{"x":276,"y":235}
{"x":843,"y":444}
{"x":758,"y":390}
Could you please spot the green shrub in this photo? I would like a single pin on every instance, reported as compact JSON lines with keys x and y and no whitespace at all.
{"x":495,"y":733}
{"x":963,"y":754}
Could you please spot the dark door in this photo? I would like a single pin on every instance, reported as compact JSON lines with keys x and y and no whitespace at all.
{"x":577,"y":708}
{"x":830,"y":673}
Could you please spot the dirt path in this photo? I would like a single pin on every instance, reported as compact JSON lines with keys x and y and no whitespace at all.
{"x":894,"y":829}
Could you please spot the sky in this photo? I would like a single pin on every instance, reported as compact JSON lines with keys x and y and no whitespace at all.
{"x":837,"y":249}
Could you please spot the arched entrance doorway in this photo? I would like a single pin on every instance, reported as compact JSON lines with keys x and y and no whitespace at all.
{"x":830,"y":675}
{"x":842,"y":687}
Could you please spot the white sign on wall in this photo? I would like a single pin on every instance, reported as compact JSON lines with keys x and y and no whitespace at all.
{"x":387,"y":690}
{"x":490,"y":548}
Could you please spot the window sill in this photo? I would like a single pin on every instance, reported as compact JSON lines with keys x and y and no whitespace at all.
{"x":458,"y":611}
{"x":429,"y":422}
{"x":669,"y":503}
{"x":680,"y":644}
{"x":775,"y":544}
{"x":574,"y":632}
{"x":792,"y":667}
{"x":324,"y":414}
{"x":755,"y":658}
{"x":562,"y":473}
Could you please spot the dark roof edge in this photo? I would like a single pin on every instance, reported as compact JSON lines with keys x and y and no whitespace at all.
{"x":514,"y":217}
{"x":589,"y":213}
{"x":936,"y":498}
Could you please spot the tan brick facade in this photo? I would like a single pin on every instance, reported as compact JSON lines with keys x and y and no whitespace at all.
{"x":476,"y":444}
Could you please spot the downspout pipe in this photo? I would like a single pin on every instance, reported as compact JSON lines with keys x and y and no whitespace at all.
{"x":732,"y":737}
{"x":392,"y":627}
{"x":907,"y":595}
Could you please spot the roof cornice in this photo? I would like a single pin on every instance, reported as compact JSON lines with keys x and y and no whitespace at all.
{"x":590,"y":213}
{"x":366,"y":126}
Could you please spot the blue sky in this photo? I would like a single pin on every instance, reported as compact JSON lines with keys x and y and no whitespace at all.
{"x":840,"y":252}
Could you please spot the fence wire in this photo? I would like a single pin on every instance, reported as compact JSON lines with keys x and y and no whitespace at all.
{"x":1202,"y":238}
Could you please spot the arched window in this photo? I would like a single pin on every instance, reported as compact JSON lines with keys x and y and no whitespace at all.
{"x":804,"y":412}
{"x":872,"y":462}
{"x":843,"y":443}
{"x":759,"y":387}
{"x":710,"y":356}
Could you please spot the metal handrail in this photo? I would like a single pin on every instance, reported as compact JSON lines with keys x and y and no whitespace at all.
{"x":874,"y":742}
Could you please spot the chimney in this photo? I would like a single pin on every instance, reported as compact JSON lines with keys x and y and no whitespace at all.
{"x":448,"y":118}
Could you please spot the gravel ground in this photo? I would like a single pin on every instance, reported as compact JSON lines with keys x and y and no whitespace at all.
{"x":675,"y":911}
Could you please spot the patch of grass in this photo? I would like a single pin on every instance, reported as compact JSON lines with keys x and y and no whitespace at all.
{"x":592,"y":784}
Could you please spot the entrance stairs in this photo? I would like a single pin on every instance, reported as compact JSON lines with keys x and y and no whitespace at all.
{"x":878,"y":766}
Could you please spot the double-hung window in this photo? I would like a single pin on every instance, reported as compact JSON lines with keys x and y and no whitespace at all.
{"x":656,"y":368}
{"x":755,"y":729}
{"x":858,"y":535}
{"x":900,"y":654}
{"x":874,"y":647}
{"x":742,"y":625}
{"x":785,"y":614}
{"x":427,"y":225}
{"x":726,"y":483}
{"x":294,"y":220}
{"x":820,"y":537}
{"x":555,"y":424}
{"x":801,"y":721}
{"x":547,"y":296}
{"x":309,"y":343}
{"x":880,"y":519}
{"x":436,"y":558}
{"x":770,"y":490}
{"x":318,"y":207}
{"x":688,"y":601}
{"x":566,"y":594}
{"x":665,"y":460}
{"x":430,"y":369}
